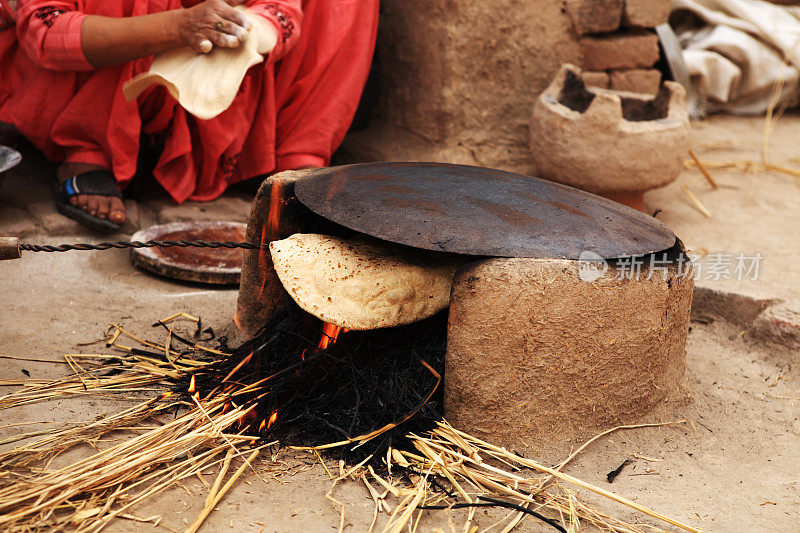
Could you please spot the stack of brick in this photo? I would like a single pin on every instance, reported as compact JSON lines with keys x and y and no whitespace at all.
{"x":618,"y":45}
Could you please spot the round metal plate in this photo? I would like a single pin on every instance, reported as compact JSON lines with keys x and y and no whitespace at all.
{"x":478,"y":211}
{"x":218,"y":266}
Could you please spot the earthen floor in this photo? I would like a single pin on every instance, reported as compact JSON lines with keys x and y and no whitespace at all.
{"x":737,"y":468}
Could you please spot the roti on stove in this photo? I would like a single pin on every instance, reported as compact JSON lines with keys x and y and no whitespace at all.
{"x":363,"y":283}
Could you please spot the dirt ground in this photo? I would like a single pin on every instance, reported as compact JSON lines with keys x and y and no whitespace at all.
{"x":736,"y":467}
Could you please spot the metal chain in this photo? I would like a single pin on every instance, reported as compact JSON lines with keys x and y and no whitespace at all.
{"x":135,"y":244}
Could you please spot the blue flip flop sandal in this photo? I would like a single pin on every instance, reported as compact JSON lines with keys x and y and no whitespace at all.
{"x":100,"y":182}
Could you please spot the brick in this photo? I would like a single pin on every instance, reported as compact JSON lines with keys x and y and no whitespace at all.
{"x":619,"y":51}
{"x":646,"y":13}
{"x":596,"y":79}
{"x":595,"y":16}
{"x":646,"y":81}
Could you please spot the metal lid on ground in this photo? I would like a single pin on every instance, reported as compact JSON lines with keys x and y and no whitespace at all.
{"x":478,"y":211}
{"x":9,"y":158}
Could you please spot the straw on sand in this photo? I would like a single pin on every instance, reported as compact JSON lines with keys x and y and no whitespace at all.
{"x":215,"y":497}
{"x":763,"y":165}
{"x":703,"y":170}
{"x":88,"y":493}
{"x":453,"y":454}
{"x":697,"y":203}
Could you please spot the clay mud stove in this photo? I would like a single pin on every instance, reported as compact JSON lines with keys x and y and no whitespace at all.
{"x":383,"y":303}
{"x":449,"y":346}
{"x":565,"y":313}
{"x":382,"y":299}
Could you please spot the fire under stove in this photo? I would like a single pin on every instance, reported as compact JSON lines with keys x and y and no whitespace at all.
{"x":567,"y":313}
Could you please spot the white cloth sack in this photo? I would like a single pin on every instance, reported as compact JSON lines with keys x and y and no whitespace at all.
{"x":736,"y":51}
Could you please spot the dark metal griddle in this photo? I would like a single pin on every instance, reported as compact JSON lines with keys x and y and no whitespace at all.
{"x":478,"y":211}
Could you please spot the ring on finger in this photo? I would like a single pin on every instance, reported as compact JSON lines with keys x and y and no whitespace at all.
{"x":218,"y":26}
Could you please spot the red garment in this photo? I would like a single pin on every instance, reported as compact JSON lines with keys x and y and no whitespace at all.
{"x":291,"y":111}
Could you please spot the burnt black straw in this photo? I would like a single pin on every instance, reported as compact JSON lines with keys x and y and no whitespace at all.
{"x":611,"y":476}
{"x":493,"y":502}
{"x":306,"y":396}
{"x":26,"y":247}
{"x":364,"y":382}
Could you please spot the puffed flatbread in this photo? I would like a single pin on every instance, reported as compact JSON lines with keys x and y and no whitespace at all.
{"x":363,"y":284}
{"x":206,"y":84}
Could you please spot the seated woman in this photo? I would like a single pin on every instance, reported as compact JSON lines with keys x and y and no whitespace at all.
{"x":63,"y":65}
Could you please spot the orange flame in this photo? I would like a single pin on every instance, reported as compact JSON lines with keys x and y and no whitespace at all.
{"x":166,"y":395}
{"x":192,"y":388}
{"x":242,"y":420}
{"x":272,"y":418}
{"x":269,"y":231}
{"x":261,"y":426}
{"x":273,"y":217}
{"x":330,"y":333}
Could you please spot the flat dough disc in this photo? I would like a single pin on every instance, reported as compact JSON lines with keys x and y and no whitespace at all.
{"x":206,"y":84}
{"x":360,"y":284}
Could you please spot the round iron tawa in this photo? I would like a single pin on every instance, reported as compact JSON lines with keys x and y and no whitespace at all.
{"x":478,"y":211}
{"x":217,"y":266}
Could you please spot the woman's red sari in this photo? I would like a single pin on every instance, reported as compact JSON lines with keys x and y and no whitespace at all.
{"x":291,"y":111}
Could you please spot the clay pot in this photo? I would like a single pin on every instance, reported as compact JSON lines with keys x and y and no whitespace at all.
{"x":611,"y":143}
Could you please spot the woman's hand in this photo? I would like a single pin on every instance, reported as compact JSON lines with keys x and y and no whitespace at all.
{"x":212,"y":23}
{"x":108,"y":41}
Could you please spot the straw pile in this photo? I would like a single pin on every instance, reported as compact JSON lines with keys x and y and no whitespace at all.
{"x":438,"y":468}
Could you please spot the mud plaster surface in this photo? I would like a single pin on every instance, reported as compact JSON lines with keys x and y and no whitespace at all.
{"x":736,"y":470}
{"x":539,"y":361}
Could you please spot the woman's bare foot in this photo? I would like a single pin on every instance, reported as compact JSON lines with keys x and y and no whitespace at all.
{"x":107,"y":207}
